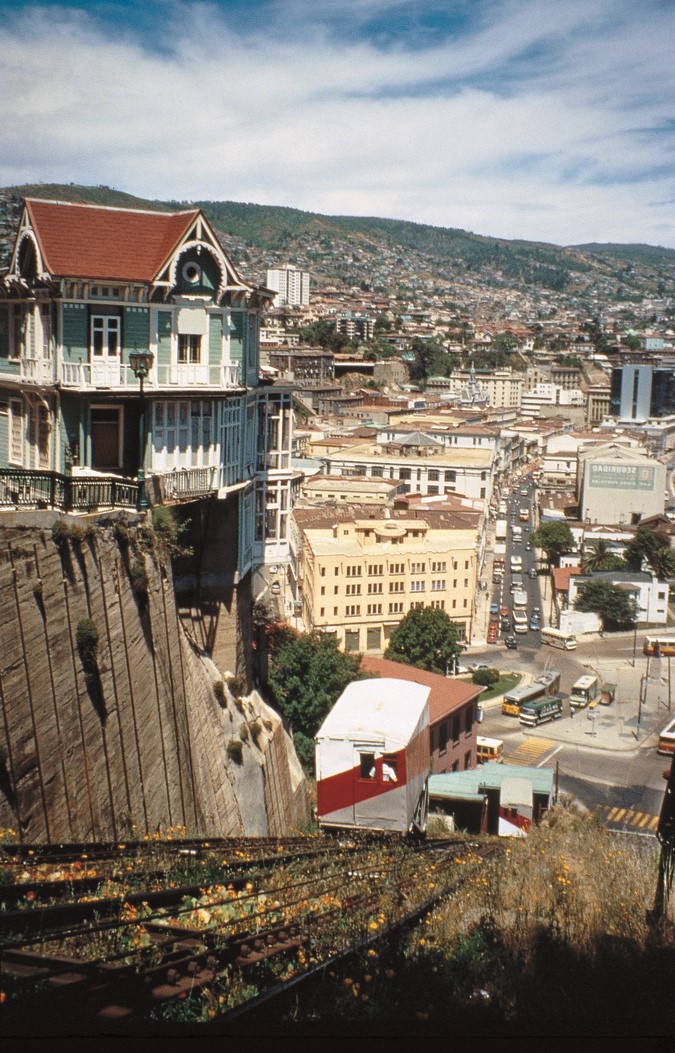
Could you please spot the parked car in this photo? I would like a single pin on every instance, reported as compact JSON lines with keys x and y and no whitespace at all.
{"x":493,"y":633}
{"x":535,"y":622}
{"x":532,"y":572}
{"x":503,"y":612}
{"x":494,"y":608}
{"x":506,"y":625}
{"x":511,"y":643}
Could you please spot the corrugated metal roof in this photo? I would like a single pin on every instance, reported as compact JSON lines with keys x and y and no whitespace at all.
{"x":488,"y":777}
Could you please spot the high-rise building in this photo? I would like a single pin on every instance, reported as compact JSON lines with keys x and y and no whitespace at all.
{"x":641,"y":392}
{"x":290,"y":284}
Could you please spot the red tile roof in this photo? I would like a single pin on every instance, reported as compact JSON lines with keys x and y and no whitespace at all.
{"x":446,"y":695}
{"x":108,"y":244}
{"x":562,"y":575}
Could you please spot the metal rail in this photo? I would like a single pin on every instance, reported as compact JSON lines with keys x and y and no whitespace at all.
{"x":176,"y":961}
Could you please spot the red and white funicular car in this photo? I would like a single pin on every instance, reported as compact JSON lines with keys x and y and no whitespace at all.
{"x":372,"y":758}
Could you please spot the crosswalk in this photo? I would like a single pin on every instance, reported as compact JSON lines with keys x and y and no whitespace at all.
{"x":529,"y":753}
{"x":627,"y":819}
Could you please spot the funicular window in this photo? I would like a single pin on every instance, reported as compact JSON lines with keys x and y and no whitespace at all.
{"x":367,"y":766}
{"x":390,"y":768}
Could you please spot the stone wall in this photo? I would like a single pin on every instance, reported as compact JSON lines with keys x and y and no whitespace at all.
{"x":141,"y":741}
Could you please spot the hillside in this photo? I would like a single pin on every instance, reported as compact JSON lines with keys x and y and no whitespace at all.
{"x":386,"y":255}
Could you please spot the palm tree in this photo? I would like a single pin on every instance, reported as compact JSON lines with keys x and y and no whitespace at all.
{"x":596,"y":556}
{"x":662,"y":563}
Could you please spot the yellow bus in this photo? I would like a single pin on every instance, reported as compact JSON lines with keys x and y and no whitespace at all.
{"x":659,"y":646}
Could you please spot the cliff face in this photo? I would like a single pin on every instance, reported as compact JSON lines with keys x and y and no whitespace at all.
{"x":145,"y":732}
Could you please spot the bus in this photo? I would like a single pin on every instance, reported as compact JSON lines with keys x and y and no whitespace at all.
{"x":667,"y":740}
{"x":584,"y":691}
{"x":489,"y":750}
{"x":566,"y":641}
{"x":541,"y":710}
{"x":659,"y":646}
{"x":546,"y":684}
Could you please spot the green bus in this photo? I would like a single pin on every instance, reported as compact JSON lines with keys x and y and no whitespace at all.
{"x":541,"y":710}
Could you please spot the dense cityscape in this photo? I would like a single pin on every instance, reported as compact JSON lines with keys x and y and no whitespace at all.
{"x":329,"y":555}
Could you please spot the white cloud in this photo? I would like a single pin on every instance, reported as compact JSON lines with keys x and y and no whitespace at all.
{"x":548,"y":127}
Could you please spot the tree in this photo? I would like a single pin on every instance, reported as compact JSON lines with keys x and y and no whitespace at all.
{"x":307,"y":675}
{"x":647,"y":546}
{"x":613,"y":605}
{"x":425,"y":638}
{"x":599,"y":555}
{"x":554,"y":538}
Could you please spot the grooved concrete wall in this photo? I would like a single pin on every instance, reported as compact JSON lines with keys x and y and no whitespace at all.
{"x":144,"y":741}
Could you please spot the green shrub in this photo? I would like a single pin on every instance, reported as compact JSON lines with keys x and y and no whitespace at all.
{"x":236,"y":685}
{"x":168,"y":531}
{"x":86,"y":638}
{"x":486,"y":677}
{"x":121,"y":532}
{"x":60,"y":532}
{"x":235,"y":751}
{"x":220,"y":693}
{"x":243,"y":732}
{"x":256,"y":732}
{"x":139,"y":577}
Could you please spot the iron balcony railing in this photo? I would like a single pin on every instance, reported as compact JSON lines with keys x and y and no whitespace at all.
{"x":24,"y":488}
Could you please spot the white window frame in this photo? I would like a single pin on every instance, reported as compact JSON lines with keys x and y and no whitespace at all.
{"x":110,"y":325}
{"x":189,"y":349}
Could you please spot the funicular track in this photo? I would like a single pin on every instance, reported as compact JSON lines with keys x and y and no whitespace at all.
{"x":250,"y":931}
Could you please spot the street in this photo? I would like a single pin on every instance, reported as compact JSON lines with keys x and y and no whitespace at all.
{"x":606,"y":757}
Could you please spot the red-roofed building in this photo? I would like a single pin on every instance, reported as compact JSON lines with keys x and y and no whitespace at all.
{"x":453,"y":716}
{"x":129,"y":368}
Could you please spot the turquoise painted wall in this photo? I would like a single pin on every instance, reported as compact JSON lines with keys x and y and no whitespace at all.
{"x":215,"y":339}
{"x":4,"y":438}
{"x":164,"y":338}
{"x":237,"y":336}
{"x":75,"y":342}
{"x":136,"y":329}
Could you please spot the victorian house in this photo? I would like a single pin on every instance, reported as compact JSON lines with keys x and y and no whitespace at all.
{"x":129,"y":372}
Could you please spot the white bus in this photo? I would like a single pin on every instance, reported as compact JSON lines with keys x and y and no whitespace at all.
{"x":566,"y":641}
{"x":585,"y":691}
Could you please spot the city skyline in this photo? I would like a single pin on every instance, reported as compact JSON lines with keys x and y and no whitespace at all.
{"x":515,"y":119}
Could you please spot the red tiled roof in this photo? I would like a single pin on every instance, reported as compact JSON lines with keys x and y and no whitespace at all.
{"x":562,"y":575}
{"x":108,"y":244}
{"x":446,"y":695}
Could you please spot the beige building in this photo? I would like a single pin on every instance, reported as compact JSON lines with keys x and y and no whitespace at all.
{"x":343,"y":489}
{"x":360,"y":569}
{"x":422,"y":463}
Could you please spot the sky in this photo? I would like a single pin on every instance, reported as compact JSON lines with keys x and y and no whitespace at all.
{"x":548,"y":120}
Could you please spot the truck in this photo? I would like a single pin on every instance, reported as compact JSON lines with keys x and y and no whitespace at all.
{"x":500,"y":530}
{"x":520,"y":599}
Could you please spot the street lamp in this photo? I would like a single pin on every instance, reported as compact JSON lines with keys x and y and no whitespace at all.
{"x":141,"y":363}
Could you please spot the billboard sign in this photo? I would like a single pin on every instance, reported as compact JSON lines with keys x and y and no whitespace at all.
{"x":621,"y":477}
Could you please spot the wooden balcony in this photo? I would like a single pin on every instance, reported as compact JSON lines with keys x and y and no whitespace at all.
{"x":113,"y":375}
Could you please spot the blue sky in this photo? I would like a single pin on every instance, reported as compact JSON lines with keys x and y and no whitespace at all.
{"x":549,"y":120}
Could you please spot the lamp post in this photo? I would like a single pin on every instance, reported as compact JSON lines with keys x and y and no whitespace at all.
{"x":141,"y":363}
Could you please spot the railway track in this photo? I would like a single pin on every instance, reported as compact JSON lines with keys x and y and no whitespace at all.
{"x":229,"y":944}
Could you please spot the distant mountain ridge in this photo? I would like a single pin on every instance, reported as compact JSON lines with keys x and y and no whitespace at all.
{"x":342,"y":249}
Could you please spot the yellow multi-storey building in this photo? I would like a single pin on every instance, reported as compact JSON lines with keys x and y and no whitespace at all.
{"x":362,"y":568}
